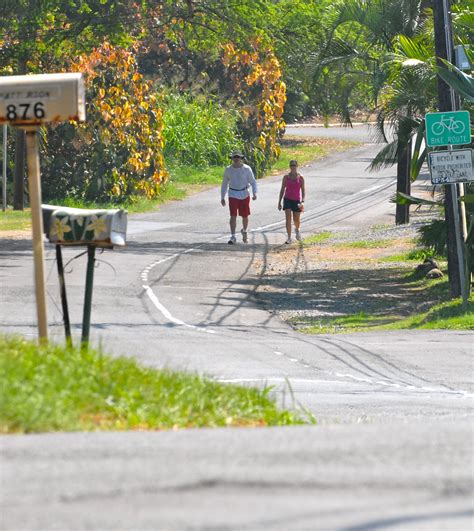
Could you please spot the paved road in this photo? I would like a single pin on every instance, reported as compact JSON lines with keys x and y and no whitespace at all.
{"x":393,"y":447}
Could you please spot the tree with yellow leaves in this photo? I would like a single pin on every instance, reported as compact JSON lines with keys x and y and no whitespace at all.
{"x":260,"y":94}
{"x":117,"y":153}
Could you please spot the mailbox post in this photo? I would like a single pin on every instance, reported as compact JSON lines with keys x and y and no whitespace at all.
{"x":30,"y":102}
{"x":72,"y":227}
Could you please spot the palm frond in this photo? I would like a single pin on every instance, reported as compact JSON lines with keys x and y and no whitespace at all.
{"x":457,"y":79}
{"x":404,"y":199}
{"x":412,"y":49}
{"x":387,"y":156}
{"x":417,"y":160}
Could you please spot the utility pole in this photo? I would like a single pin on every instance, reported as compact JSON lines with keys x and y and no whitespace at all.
{"x":446,"y":102}
{"x":402,"y":212}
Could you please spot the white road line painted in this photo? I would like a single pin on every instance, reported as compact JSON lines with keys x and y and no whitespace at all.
{"x":168,"y":315}
{"x":275,"y":379}
{"x":289,"y":379}
{"x":386,"y":383}
{"x":147,"y":269}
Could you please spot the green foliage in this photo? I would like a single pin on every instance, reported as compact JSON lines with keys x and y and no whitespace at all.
{"x":452,"y":315}
{"x":458,"y":80}
{"x":199,"y":131}
{"x":51,"y":388}
{"x":117,"y":153}
{"x":416,"y":255}
{"x":318,"y":238}
{"x":37,"y":36}
{"x":367,"y":244}
{"x":433,"y":236}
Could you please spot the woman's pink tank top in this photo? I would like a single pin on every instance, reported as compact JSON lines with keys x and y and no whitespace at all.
{"x":293,"y":189}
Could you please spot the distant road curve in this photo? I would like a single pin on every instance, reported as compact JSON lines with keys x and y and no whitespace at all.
{"x":360,"y":132}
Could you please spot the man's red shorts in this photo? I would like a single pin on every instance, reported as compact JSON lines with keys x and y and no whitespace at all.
{"x":240,"y":206}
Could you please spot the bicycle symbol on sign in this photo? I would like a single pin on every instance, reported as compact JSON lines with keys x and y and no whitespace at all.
{"x":450,"y":124}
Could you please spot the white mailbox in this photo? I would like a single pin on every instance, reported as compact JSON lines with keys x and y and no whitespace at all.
{"x":38,"y":99}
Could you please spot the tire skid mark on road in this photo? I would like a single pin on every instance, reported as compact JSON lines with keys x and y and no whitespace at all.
{"x":341,"y":205}
{"x":313,"y":214}
{"x":346,"y":376}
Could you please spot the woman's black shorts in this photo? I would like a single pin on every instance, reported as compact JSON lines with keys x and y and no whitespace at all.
{"x":291,"y":204}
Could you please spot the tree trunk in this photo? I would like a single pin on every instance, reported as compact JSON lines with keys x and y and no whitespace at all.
{"x":402,"y":213}
{"x":19,"y":175}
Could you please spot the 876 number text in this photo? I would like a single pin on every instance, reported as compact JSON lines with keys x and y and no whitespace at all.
{"x":25,"y":111}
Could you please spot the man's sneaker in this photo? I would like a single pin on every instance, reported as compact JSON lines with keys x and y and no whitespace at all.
{"x":232,"y":240}
{"x":288,"y":240}
{"x":245,"y":238}
{"x":298,"y":235}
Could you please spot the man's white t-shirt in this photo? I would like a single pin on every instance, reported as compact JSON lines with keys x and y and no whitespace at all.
{"x":236,"y":182}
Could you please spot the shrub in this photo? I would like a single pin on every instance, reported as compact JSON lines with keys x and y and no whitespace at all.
{"x":260,"y":94}
{"x":198,"y":132}
{"x":117,"y":153}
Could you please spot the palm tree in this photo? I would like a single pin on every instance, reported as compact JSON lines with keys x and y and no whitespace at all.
{"x":409,"y":92}
{"x":389,"y":53}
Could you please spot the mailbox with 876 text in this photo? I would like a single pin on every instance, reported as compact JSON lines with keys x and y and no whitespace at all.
{"x":44,"y":98}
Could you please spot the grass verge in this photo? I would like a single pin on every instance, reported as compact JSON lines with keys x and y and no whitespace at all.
{"x":51,"y":388}
{"x":450,"y":315}
{"x":445,"y":315}
{"x":306,"y":149}
{"x":366,"y":244}
{"x":318,"y":238}
{"x":12,"y":220}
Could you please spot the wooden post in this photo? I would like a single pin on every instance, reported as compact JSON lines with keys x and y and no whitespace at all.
{"x":37,"y":224}
{"x":86,"y":316}
{"x":62,"y":288}
{"x":4,"y":167}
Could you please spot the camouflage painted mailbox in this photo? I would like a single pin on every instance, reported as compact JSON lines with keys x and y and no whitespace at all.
{"x":90,"y":228}
{"x":76,"y":226}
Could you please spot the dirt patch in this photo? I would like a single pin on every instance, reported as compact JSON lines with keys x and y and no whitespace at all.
{"x":15,"y":234}
{"x":301,"y":257}
{"x":331,"y":280}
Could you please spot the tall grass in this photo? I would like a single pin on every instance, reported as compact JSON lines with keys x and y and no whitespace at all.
{"x":51,"y":388}
{"x":198,"y":132}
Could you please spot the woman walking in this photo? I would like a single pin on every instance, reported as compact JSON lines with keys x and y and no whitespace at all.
{"x":292,"y":192}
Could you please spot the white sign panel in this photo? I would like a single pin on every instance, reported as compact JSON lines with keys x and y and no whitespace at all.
{"x":448,"y":167}
{"x":43,"y":98}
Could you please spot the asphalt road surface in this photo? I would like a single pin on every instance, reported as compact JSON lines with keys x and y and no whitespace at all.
{"x":393,"y":444}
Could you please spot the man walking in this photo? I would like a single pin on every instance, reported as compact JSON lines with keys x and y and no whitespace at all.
{"x":236,"y":181}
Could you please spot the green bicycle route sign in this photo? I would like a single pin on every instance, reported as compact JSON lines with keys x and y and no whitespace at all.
{"x":448,"y":128}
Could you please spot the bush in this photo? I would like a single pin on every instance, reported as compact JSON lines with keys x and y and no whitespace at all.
{"x":254,"y":77}
{"x":116,"y":155}
{"x":198,"y":132}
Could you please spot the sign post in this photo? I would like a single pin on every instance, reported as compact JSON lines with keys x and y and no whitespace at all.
{"x":32,"y":157}
{"x":30,"y":102}
{"x":450,"y":167}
